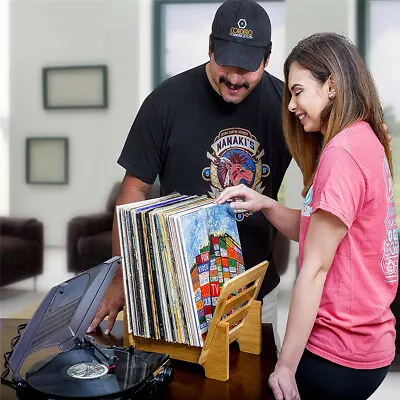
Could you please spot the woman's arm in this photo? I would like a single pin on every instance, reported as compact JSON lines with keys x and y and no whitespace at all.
{"x":286,"y":220}
{"x":324,"y":235}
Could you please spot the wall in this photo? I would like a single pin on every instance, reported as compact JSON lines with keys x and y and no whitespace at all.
{"x":4,"y":107}
{"x":50,"y":33}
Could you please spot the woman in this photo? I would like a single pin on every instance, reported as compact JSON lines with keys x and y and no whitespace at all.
{"x":340,"y":332}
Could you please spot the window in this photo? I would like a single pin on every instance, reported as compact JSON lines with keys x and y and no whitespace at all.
{"x":182,"y":29}
{"x":379,"y":38}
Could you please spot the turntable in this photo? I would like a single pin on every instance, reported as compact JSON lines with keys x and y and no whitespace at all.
{"x":83,"y":369}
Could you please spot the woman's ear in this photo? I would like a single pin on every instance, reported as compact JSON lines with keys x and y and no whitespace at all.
{"x":331,"y":87}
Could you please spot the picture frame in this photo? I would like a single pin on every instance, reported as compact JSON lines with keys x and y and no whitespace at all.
{"x":47,"y":160}
{"x":75,"y":87}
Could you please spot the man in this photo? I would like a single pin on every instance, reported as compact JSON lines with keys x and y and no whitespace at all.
{"x":211,"y":127}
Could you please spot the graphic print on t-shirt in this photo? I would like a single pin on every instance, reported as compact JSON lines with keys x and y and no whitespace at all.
{"x":236,"y":159}
{"x":307,"y":209}
{"x":391,"y":248}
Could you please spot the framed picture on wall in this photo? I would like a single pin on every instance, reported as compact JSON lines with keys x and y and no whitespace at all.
{"x":80,"y":86}
{"x":47,"y":160}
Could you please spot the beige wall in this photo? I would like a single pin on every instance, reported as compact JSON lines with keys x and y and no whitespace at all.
{"x":54,"y":32}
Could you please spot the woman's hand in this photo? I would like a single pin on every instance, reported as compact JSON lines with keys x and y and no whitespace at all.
{"x":244,"y":199}
{"x":283,"y":384}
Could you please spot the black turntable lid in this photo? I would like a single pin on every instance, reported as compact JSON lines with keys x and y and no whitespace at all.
{"x":65,"y":313}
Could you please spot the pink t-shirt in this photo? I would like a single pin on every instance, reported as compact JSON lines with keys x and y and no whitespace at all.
{"x":354,"y":325}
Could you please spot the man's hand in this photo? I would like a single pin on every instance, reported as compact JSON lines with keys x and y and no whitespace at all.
{"x":111,"y":304}
{"x":283,"y":384}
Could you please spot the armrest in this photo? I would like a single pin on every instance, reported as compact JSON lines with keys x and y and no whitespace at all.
{"x":91,"y":224}
{"x":26,"y":228}
{"x":87,"y":225}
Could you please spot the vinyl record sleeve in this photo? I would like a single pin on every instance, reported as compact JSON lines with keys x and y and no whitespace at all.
{"x":127,"y":261}
{"x":172,"y":258}
{"x":183,"y":240}
{"x":165,"y":283}
{"x":133,"y":279}
{"x":147,"y":285}
{"x":211,"y":224}
{"x":154,"y":279}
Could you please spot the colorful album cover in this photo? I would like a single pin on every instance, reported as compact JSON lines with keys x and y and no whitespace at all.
{"x":200,"y":231}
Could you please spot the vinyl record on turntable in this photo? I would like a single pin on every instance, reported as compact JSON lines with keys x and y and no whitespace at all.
{"x":78,"y":373}
{"x":83,"y":369}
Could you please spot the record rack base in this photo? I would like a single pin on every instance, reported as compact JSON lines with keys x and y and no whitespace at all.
{"x":235,"y":317}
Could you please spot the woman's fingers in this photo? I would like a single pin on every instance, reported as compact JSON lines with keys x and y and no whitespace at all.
{"x":276,"y":389}
{"x":231,"y":193}
{"x":242,"y":206}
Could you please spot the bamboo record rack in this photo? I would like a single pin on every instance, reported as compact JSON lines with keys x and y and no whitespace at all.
{"x":243,"y":325}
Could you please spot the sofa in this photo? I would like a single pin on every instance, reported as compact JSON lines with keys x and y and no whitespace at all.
{"x":21,"y":249}
{"x":89,"y":237}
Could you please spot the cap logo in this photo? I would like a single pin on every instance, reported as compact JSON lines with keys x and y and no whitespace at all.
{"x":242,"y":23}
{"x":241,"y":30}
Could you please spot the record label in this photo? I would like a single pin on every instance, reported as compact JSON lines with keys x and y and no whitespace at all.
{"x":87,"y":370}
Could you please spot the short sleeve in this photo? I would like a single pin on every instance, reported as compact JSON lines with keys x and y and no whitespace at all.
{"x":142,"y":152}
{"x":339,"y":185}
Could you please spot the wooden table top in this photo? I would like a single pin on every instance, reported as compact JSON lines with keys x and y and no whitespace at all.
{"x":248,"y":373}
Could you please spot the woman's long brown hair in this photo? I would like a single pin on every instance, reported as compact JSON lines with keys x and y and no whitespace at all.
{"x":328,"y":55}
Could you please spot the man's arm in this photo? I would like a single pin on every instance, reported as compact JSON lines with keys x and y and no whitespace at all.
{"x":132,"y":190}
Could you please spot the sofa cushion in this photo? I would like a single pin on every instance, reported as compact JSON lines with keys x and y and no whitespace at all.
{"x":96,"y":245}
{"x":14,"y":251}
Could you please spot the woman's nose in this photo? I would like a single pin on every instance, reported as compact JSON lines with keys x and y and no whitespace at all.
{"x":292,"y":105}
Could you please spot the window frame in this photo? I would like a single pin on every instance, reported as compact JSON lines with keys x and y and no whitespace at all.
{"x":158,"y":39}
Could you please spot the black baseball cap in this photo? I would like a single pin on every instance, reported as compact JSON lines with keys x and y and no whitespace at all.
{"x":241,"y":31}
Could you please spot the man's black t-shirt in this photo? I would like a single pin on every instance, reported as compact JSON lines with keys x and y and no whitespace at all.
{"x":199,"y":144}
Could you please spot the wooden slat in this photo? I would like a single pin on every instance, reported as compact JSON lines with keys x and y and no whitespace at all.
{"x":237,"y":315}
{"x":255,"y":274}
{"x":234,"y":332}
{"x":239,"y":299}
{"x":177,"y":351}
